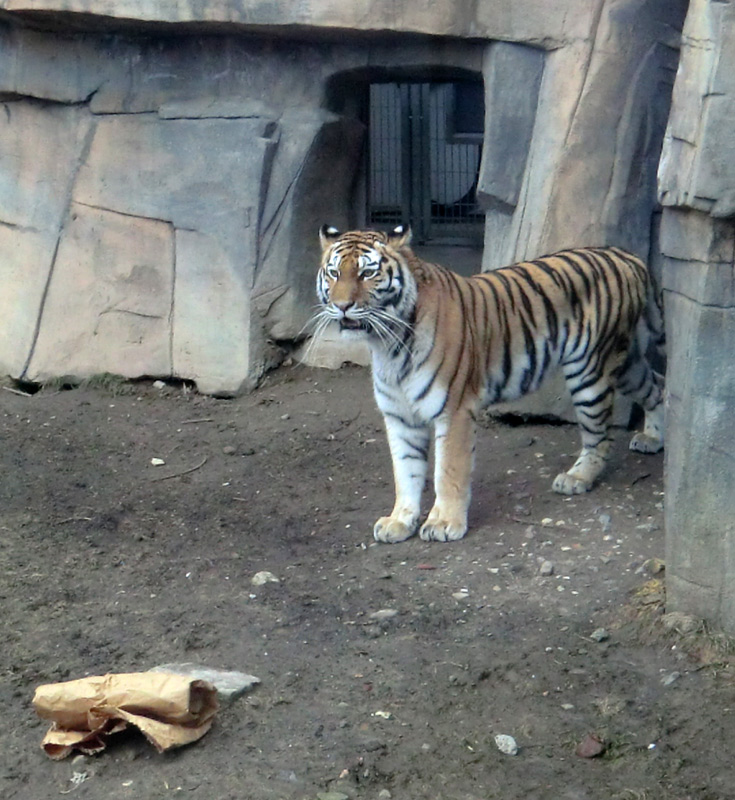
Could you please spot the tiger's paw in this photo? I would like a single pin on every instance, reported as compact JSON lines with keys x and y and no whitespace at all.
{"x":644,"y":443}
{"x":390,"y":530}
{"x":436,"y":529}
{"x":565,"y":483}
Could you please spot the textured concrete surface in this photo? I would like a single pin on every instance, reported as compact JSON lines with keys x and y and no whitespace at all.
{"x":697,"y":189}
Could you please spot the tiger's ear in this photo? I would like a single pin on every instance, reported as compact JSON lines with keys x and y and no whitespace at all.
{"x":327,"y":235}
{"x":400,"y":236}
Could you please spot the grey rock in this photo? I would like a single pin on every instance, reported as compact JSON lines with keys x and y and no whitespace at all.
{"x":698,"y":158}
{"x":229,"y":684}
{"x":670,"y":678}
{"x":546,"y":568}
{"x":506,"y":744}
{"x":509,"y":119}
{"x":383,"y":614}
{"x":263,"y":577}
{"x":599,"y":635}
{"x":700,"y":423}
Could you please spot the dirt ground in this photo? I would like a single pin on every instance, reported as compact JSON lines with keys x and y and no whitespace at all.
{"x":112,"y":564}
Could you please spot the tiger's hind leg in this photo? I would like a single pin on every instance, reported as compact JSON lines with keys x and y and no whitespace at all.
{"x":593,"y":404}
{"x":644,"y":386}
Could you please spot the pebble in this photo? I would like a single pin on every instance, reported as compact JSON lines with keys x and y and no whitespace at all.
{"x":546,"y":568}
{"x":672,"y":677}
{"x":229,"y":450}
{"x":506,"y":744}
{"x":647,"y":527}
{"x":263,"y":577}
{"x":606,"y":522}
{"x":157,"y":462}
{"x":654,"y":566}
{"x":384,"y":613}
{"x":590,"y":747}
{"x":228,"y":683}
{"x":599,"y":635}
{"x":332,"y":796}
{"x":384,"y":794}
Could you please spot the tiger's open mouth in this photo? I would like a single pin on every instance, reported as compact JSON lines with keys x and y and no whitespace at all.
{"x":346,"y":324}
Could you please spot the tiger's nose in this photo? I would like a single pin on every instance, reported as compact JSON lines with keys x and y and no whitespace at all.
{"x":344,"y":305}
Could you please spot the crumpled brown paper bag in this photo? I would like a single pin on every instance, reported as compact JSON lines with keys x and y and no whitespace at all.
{"x":170,"y":710}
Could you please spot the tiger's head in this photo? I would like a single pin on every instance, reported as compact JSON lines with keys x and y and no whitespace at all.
{"x":364,"y":282}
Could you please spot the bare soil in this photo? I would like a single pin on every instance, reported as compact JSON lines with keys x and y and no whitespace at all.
{"x":111,"y":564}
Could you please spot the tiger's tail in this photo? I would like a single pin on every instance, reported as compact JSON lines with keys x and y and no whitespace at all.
{"x":651,"y":330}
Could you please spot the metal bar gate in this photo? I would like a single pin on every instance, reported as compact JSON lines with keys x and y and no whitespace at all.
{"x":423,"y":166}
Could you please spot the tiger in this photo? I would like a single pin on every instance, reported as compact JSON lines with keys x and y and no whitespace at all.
{"x":444,"y":346}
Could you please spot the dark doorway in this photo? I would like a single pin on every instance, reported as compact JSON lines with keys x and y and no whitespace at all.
{"x":425,"y":145}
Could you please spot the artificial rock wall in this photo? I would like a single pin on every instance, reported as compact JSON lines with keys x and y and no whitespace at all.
{"x":697,"y":187}
{"x":164,"y":167}
{"x":147,"y":196}
{"x":160,"y":198}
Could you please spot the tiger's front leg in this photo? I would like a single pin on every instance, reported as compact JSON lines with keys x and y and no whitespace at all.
{"x":409,"y":449}
{"x":454,"y":440}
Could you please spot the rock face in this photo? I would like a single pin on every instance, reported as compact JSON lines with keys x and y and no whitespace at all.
{"x":697,"y":186}
{"x":518,"y":20}
{"x":147,"y":235}
{"x":593,"y":138}
{"x":160,"y":193}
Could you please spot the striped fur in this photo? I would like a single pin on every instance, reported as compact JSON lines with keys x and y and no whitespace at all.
{"x":443,"y":346}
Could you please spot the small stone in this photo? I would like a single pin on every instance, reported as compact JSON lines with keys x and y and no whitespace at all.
{"x":546,"y":568}
{"x":599,"y":635}
{"x":384,"y":794}
{"x":606,"y":522}
{"x":567,"y":706}
{"x":506,"y":744}
{"x":159,"y":385}
{"x":462,"y":594}
{"x":157,"y":462}
{"x":672,"y":677}
{"x":229,"y":450}
{"x":647,"y":527}
{"x":263,"y":577}
{"x":229,"y":684}
{"x":383,"y":613}
{"x":332,"y":796}
{"x":591,"y":746}
{"x":654,"y":566}
{"x":547,"y":522}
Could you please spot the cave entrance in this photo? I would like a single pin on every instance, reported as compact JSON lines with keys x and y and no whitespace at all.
{"x":423,"y":160}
